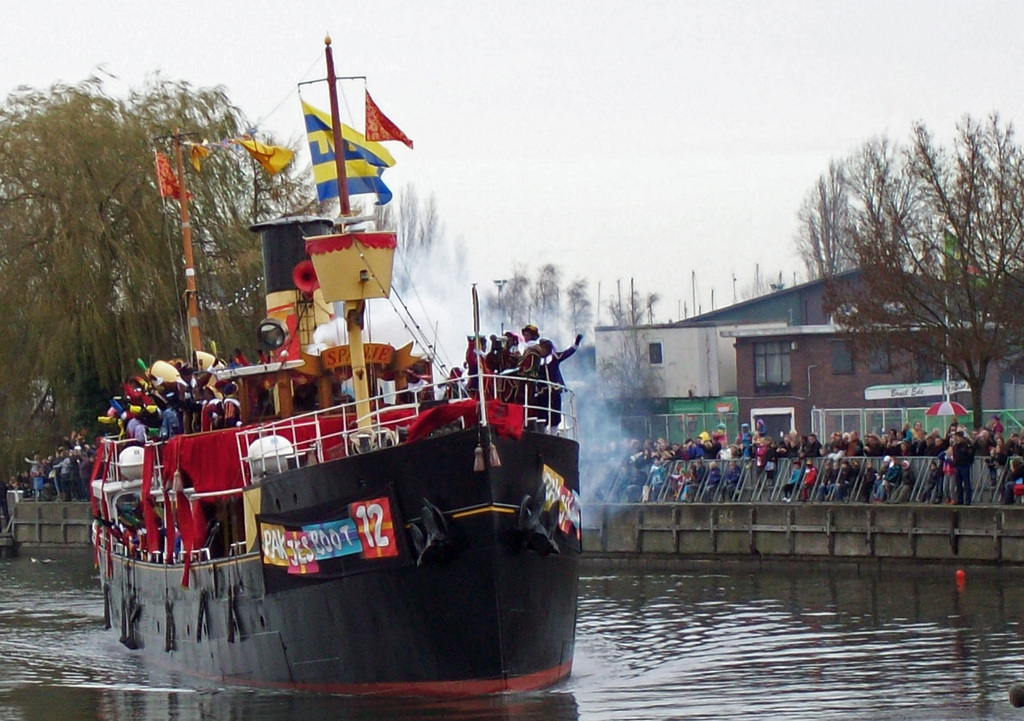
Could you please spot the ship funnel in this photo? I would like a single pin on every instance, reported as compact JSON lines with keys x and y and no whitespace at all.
{"x":291,"y":283}
{"x":284,"y":247}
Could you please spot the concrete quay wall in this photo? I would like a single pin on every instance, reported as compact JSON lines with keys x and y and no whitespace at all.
{"x":806,"y":531}
{"x":976,"y":534}
{"x":51,"y":524}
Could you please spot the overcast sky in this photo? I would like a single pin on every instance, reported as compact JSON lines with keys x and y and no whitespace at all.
{"x":650,"y":140}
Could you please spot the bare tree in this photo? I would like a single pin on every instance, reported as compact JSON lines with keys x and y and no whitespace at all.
{"x":627,"y":375}
{"x":580,"y":309}
{"x":420,"y":236}
{"x":546,"y":295}
{"x":516,"y":297}
{"x":938,"y":234}
{"x":823,"y":238}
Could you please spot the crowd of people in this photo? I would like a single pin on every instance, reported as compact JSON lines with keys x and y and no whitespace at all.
{"x":59,"y":476}
{"x":523,"y":369}
{"x":896,"y":466}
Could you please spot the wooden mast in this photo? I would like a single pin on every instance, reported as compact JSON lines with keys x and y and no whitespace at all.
{"x":191,"y":295}
{"x":353,"y":309}
{"x":339,"y":146}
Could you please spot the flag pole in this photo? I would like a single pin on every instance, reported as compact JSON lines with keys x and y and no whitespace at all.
{"x":339,"y":147}
{"x":191,"y":294}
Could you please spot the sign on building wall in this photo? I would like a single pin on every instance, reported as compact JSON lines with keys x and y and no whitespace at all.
{"x":913,"y":390}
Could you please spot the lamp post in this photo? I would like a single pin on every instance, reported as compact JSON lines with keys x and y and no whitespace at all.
{"x":501,"y":309}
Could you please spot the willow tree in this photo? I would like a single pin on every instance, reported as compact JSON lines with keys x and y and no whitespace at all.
{"x":939,"y":239}
{"x":90,"y":255}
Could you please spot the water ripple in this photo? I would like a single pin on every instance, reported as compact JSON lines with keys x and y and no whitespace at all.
{"x":651,"y":646}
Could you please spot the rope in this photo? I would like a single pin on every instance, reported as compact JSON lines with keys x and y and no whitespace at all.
{"x":417,"y":332}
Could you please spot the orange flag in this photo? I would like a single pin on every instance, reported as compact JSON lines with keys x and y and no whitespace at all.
{"x":166,"y":180}
{"x":379,"y":127}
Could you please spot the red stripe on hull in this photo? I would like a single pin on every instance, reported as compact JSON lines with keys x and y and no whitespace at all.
{"x":436,"y":689}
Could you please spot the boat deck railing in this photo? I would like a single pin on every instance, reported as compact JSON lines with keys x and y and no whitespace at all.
{"x":124,"y":471}
{"x":337,"y":432}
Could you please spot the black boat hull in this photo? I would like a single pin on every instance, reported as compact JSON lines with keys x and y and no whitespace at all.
{"x":491,"y":608}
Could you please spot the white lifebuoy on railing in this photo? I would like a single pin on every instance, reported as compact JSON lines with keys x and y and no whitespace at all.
{"x":269,"y":454}
{"x":129,"y":462}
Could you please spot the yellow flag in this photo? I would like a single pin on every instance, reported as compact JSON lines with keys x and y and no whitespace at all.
{"x":198,"y":153}
{"x":273,"y":158}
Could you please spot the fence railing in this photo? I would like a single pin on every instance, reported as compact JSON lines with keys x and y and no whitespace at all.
{"x":835,"y":480}
{"x":677,"y":427}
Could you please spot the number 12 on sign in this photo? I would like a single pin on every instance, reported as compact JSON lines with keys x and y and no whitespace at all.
{"x":376,"y":529}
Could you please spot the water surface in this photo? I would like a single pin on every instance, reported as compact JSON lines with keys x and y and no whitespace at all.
{"x":786,"y":643}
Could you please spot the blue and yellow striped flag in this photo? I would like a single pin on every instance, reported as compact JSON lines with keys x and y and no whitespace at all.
{"x":365,"y":160}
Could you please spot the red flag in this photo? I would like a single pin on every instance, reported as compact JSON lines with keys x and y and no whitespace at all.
{"x":378,"y":127}
{"x":166,"y":180}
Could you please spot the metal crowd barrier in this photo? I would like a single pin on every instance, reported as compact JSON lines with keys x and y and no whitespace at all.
{"x":690,"y":481}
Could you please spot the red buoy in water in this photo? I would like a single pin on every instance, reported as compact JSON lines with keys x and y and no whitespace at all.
{"x":961,"y":579}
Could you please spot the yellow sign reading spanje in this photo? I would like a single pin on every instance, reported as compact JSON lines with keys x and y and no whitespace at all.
{"x":340,"y":356}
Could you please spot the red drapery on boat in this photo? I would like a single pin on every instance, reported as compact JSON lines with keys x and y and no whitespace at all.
{"x":208,"y":462}
{"x":183,"y":512}
{"x":199,"y":527}
{"x":148,"y":508}
{"x":505,"y":418}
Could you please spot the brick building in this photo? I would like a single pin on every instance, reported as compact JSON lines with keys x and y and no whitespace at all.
{"x":778,"y":357}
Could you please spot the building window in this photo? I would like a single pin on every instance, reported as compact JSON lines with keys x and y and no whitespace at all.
{"x":926,"y":370}
{"x":878,"y":361}
{"x":842,"y":358}
{"x":654,"y":353}
{"x":771,"y":366}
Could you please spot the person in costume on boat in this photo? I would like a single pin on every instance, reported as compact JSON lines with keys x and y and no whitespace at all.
{"x":531,"y":335}
{"x":508,"y":357}
{"x":550,"y":394}
{"x":512,"y":348}
{"x":188,"y":396}
{"x":213,"y":412}
{"x":529,"y":370}
{"x":472,"y":364}
{"x":232,"y":406}
{"x":496,"y":354}
{"x":453,"y":386}
{"x":170,"y":422}
{"x":135,"y":428}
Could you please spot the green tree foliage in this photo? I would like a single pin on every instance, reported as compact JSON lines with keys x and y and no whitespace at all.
{"x":91,"y":255}
{"x":938,"y":235}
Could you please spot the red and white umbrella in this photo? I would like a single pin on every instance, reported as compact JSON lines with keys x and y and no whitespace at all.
{"x":946,"y":408}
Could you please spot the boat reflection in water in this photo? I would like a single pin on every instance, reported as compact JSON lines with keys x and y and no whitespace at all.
{"x":235,"y":705}
{"x":676,"y":643}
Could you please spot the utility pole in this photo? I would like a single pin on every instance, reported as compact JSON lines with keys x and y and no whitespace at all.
{"x":501,"y":308}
